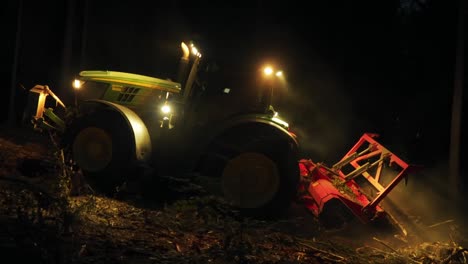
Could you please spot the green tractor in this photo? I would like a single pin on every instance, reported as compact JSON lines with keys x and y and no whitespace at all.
{"x":127,"y":120}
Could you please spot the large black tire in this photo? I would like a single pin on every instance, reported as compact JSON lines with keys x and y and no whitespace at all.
{"x":258,"y":170}
{"x":101,"y":144}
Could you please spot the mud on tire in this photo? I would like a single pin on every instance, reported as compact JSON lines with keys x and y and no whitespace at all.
{"x":101,"y":144}
{"x":250,"y":151}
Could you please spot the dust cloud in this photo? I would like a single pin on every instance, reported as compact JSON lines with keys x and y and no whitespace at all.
{"x":424,"y":206}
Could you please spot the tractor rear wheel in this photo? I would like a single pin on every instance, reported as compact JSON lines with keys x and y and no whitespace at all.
{"x":100,"y":143}
{"x":250,"y":180}
{"x":258,"y":170}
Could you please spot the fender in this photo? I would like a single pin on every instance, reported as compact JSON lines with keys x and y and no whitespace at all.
{"x":278,"y":125}
{"x":140,"y":133}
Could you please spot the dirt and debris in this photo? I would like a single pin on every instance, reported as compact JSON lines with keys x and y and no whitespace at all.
{"x":41,"y":222}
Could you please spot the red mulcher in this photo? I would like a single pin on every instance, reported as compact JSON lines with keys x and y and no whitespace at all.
{"x":335,"y":195}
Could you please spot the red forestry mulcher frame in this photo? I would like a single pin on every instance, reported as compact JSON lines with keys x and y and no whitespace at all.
{"x":337,"y":194}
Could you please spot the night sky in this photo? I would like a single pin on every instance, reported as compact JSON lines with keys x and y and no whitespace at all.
{"x":352,"y":66}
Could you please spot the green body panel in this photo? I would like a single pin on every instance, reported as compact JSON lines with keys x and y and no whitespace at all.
{"x":130,"y":79}
{"x":49,"y":112}
{"x":129,"y":89}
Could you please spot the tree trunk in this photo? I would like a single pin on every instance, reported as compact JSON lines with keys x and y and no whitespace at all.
{"x":14,"y":67}
{"x":457,"y":103}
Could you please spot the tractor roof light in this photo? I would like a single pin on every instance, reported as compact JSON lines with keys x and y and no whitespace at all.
{"x":268,"y":70}
{"x":195,"y":51}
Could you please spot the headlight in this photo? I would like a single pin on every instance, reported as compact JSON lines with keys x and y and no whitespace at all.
{"x":166,"y":109}
{"x":77,"y":84}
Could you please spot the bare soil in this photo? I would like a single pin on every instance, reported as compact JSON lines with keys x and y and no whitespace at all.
{"x":41,"y":222}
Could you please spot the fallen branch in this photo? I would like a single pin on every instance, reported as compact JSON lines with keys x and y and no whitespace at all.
{"x":386,"y":253}
{"x":335,"y":256}
{"x":385,"y":244}
{"x":441,"y":223}
{"x":454,"y":254}
{"x":394,"y":251}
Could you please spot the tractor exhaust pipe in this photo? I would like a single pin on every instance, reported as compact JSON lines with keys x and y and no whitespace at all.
{"x":192,"y":74}
{"x":183,"y":64}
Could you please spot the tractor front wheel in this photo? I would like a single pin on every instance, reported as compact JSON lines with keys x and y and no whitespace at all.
{"x":100,"y":143}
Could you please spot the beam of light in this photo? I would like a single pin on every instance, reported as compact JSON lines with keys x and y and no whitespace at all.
{"x":279,"y":73}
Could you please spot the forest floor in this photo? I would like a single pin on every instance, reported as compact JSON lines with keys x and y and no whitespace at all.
{"x":40,"y":222}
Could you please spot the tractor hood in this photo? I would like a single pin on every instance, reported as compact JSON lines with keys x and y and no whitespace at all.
{"x":131,"y":79}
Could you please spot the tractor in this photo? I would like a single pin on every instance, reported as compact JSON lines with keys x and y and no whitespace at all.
{"x":123,"y":124}
{"x":125,"y":121}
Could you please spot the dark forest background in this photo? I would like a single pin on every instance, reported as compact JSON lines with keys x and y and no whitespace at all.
{"x":386,"y":67}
